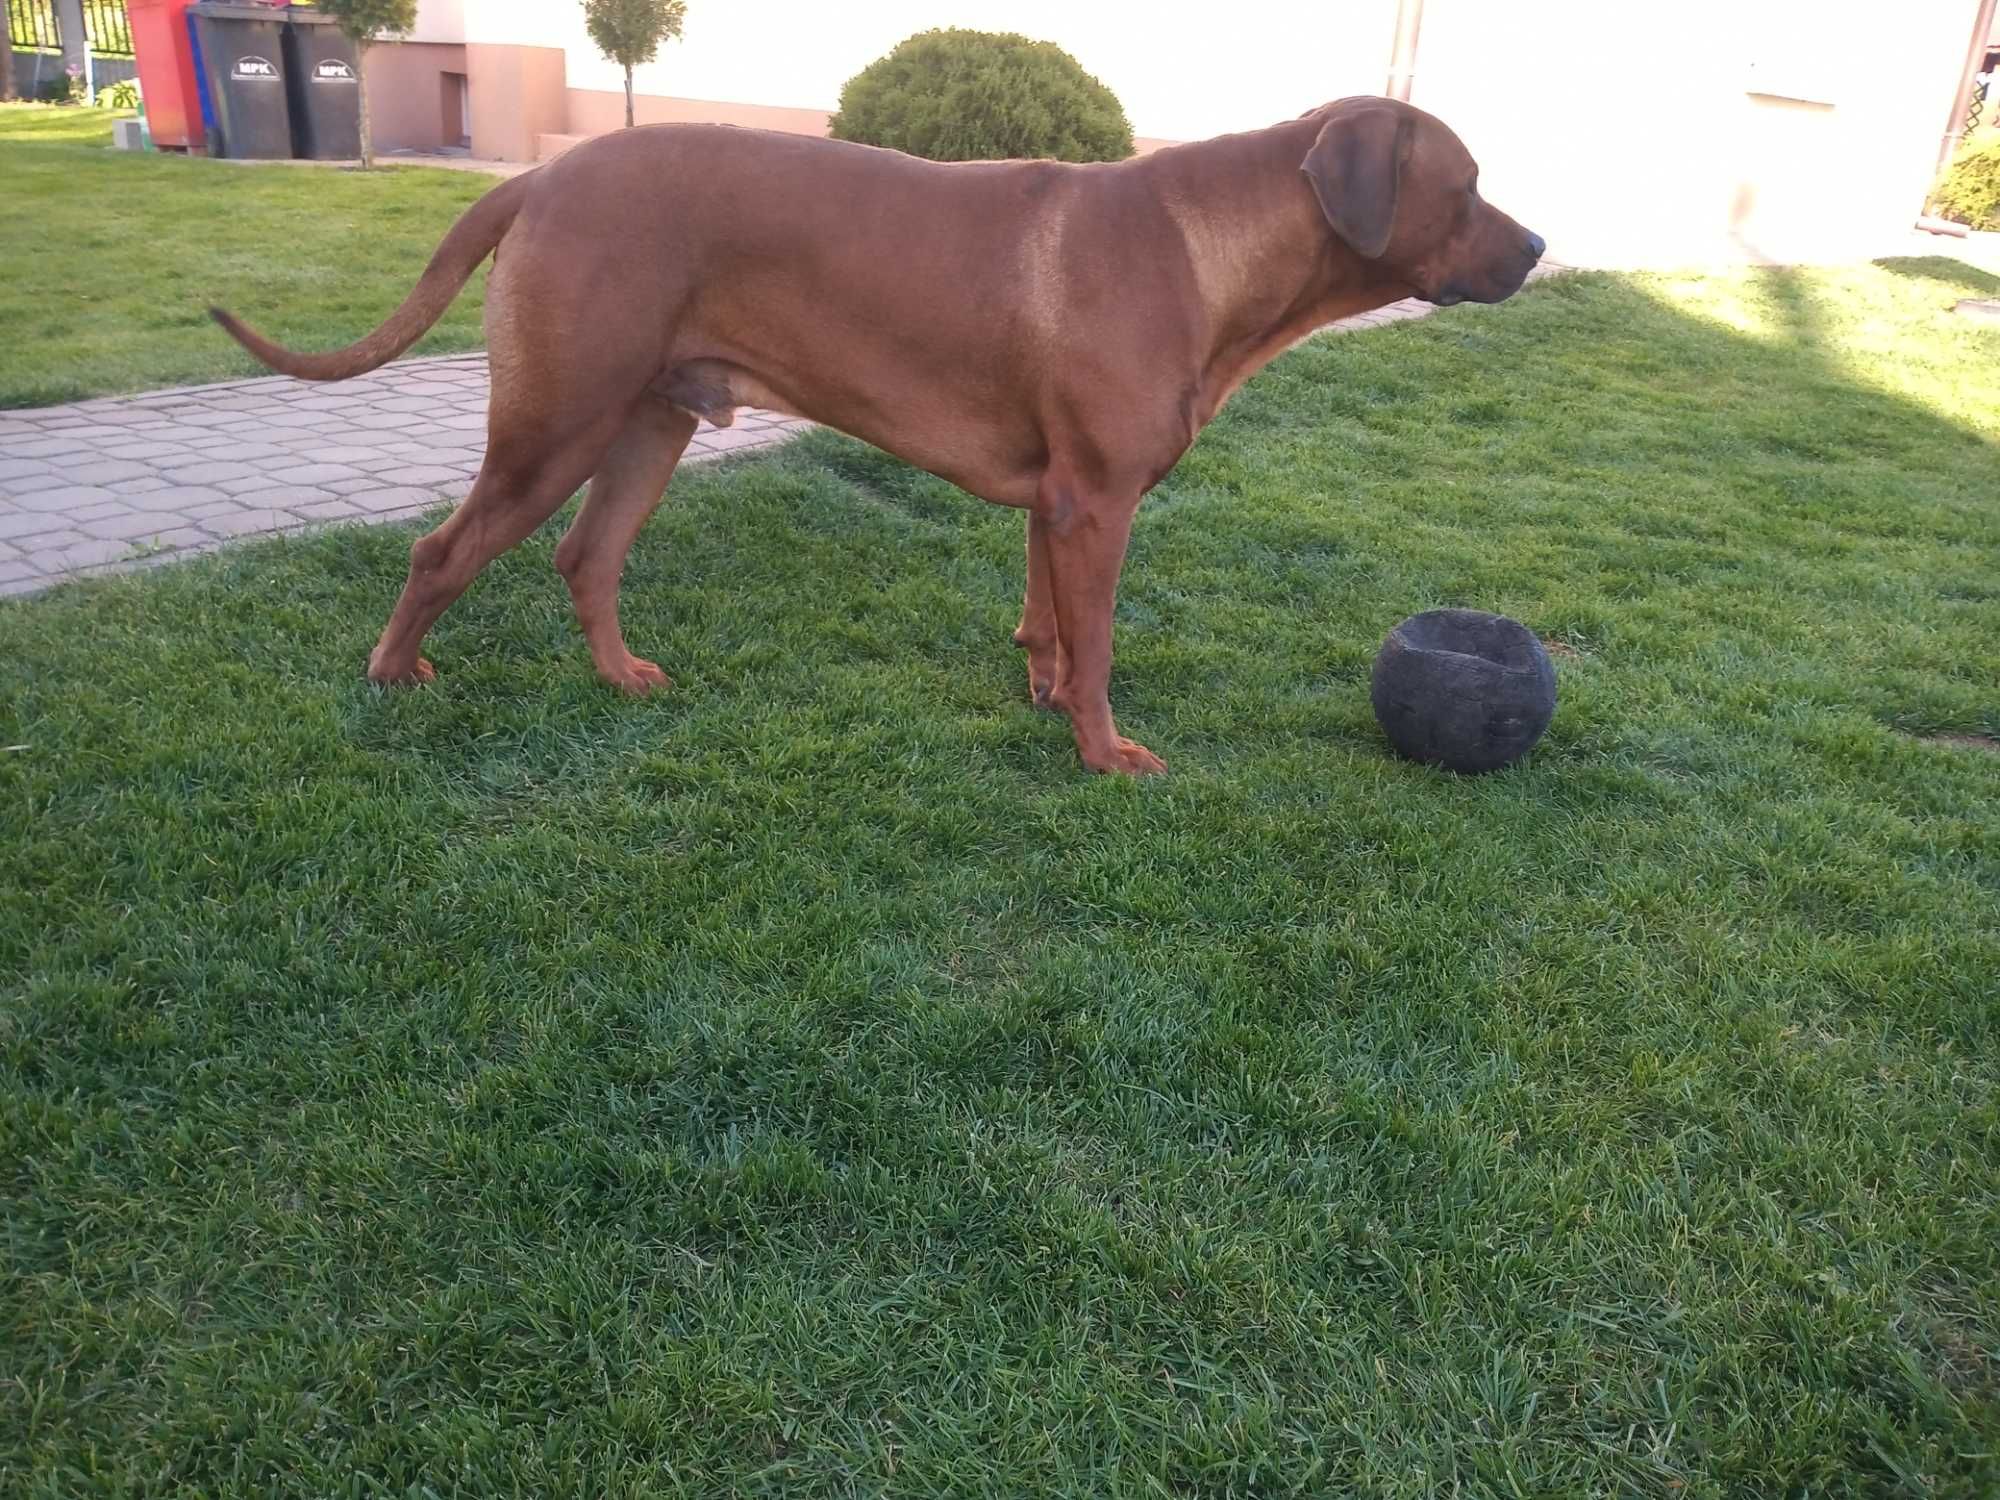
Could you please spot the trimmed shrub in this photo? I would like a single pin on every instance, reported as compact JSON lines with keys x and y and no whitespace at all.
{"x":956,"y":95}
{"x":1969,"y":190}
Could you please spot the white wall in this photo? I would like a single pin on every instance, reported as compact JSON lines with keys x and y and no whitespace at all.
{"x":439,"y":21}
{"x":1771,"y":129}
{"x":1183,"y":70}
{"x":1605,"y":125}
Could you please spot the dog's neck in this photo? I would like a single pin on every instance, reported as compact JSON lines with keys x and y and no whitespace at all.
{"x":1268,"y":268}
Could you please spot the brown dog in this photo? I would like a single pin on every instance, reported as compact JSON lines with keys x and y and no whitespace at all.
{"x":1046,"y":336}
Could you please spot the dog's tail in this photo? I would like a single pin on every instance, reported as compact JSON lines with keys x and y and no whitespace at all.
{"x":465,"y":245}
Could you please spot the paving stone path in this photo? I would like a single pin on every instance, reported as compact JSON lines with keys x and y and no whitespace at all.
{"x":103,"y":486}
{"x":100,"y":486}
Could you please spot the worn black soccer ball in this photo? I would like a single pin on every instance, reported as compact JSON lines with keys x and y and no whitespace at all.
{"x":1463,"y":689}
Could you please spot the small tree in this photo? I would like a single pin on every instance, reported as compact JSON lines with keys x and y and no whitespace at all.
{"x":629,"y":32}
{"x":362,"y":21}
{"x":6,"y":54}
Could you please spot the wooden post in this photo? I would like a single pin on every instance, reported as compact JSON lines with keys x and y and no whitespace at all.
{"x":1403,"y":52}
{"x":1975,"y":54}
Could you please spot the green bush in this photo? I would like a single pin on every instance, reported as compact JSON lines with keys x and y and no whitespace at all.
{"x":1969,"y":190}
{"x":124,"y":94}
{"x":957,"y":95}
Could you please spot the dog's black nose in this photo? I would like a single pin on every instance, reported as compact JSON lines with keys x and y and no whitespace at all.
{"x":1536,"y":244}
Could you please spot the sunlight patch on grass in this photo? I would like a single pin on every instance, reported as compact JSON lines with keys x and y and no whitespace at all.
{"x":113,"y":258}
{"x":1860,"y":321}
{"x":58,"y":125}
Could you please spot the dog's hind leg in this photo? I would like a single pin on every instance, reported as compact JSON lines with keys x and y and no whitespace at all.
{"x":522,"y":482}
{"x":567,"y":374}
{"x":591,"y":557}
{"x":1037,"y":632}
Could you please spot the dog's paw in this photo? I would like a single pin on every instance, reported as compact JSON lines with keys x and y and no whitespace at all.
{"x":1126,"y":758}
{"x":637,"y":676}
{"x":1044,"y":667}
{"x":385,"y":675}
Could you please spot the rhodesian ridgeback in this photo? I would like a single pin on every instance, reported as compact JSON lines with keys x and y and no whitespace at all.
{"x":1044,"y":335}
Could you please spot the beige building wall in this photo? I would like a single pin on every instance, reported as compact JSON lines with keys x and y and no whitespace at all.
{"x":1774,"y":130}
{"x":517,"y":96}
{"x":1625,"y":134}
{"x":1183,"y":70}
{"x":594,"y":111}
{"x":412,"y":105}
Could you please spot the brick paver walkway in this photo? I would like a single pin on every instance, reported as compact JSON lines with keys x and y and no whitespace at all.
{"x":99,"y":486}
{"x":102,"y":486}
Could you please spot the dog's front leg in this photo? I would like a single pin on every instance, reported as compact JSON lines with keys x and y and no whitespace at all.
{"x":1085,"y":537}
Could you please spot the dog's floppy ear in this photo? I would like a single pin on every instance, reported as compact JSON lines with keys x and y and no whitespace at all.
{"x":1355,"y":168}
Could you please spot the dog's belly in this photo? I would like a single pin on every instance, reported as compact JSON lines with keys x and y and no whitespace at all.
{"x":997,"y":456}
{"x":714,"y":389}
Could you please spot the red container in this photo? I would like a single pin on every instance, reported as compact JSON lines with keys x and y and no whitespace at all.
{"x":165,"y":56}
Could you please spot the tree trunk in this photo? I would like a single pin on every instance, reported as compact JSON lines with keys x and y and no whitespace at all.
{"x":628,"y":96}
{"x":361,"y":102}
{"x":69,"y":21}
{"x":6,"y":57}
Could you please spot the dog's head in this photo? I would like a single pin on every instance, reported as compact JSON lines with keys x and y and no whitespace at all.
{"x":1399,"y":188}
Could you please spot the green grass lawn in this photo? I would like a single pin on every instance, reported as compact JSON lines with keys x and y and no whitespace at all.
{"x":109,"y":261}
{"x":808,"y":1081}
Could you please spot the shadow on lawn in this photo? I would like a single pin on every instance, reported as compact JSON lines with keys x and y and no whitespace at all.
{"x":1955,"y":275}
{"x":1854,"y":477}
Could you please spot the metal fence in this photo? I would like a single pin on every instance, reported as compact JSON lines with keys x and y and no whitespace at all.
{"x":34,"y":26}
{"x":108,"y":27}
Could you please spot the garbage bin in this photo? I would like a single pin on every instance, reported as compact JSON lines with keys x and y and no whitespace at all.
{"x":243,"y":63}
{"x":322,"y":77}
{"x":165,"y":58}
